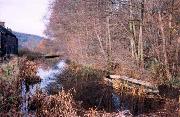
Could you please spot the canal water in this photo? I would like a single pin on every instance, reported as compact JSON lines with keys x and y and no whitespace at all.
{"x":48,"y":82}
{"x":48,"y":79}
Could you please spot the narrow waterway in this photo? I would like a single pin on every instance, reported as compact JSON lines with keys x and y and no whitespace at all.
{"x":49,"y":81}
{"x":48,"y":78}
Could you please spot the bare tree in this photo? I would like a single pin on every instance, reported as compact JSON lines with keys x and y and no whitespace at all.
{"x":129,"y":31}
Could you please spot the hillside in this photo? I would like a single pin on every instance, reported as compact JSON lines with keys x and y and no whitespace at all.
{"x":29,"y":41}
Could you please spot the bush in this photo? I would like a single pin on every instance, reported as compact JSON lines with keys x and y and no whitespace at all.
{"x":61,"y":104}
{"x":9,"y":88}
{"x":28,"y":70}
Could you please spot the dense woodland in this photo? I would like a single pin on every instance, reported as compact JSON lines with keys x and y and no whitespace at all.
{"x":143,"y":33}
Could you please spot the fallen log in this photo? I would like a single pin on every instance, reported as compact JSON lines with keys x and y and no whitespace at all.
{"x":132,"y":80}
{"x":149,"y":88}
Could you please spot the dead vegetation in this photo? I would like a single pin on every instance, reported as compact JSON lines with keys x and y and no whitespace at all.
{"x":84,"y":94}
{"x":28,"y":70}
{"x":12,"y":72}
{"x":92,"y":91}
{"x":9,"y":88}
{"x":135,"y":38}
{"x":61,"y":104}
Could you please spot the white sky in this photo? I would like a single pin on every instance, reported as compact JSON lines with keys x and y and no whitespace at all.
{"x":24,"y":15}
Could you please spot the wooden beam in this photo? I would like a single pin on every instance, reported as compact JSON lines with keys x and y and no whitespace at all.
{"x":132,"y":80}
{"x":149,"y":88}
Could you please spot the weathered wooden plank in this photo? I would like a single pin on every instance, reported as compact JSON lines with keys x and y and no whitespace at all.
{"x":149,"y":88}
{"x":132,"y":80}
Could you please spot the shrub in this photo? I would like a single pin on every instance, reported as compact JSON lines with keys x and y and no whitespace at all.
{"x":28,"y":70}
{"x":61,"y":104}
{"x":9,"y":87}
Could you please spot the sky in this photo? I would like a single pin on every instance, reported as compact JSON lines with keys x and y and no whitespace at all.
{"x":25,"y":16}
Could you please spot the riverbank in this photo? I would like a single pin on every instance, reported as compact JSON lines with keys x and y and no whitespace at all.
{"x":83,"y":92}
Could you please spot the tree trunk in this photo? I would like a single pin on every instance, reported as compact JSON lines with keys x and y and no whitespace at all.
{"x":140,"y":42}
{"x":109,"y":51}
{"x":140,"y":46}
{"x":100,"y":43}
{"x":170,"y":22}
{"x":164,"y":46}
{"x":133,"y":31}
{"x":177,"y":52}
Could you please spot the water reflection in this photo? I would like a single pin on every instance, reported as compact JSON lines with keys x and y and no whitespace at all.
{"x":49,"y":77}
{"x":47,"y":85}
